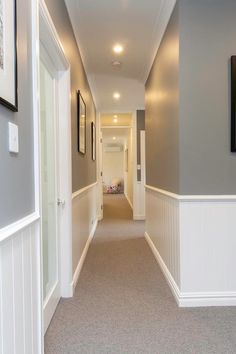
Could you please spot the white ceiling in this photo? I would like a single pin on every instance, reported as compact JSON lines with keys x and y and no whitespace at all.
{"x":123,"y":119}
{"x":136,"y":24}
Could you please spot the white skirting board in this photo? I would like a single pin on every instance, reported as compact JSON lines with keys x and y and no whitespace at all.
{"x":129,"y":201}
{"x":83,"y":256}
{"x":172,"y":284}
{"x":191,"y":299}
{"x":20,"y":295}
{"x":193,"y":240}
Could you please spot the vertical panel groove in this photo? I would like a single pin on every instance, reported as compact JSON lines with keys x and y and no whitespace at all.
{"x":31,"y":290}
{"x":13,"y":296}
{"x":23,"y":288}
{"x":19,"y":299}
{"x":162,"y":220}
{"x":1,"y":311}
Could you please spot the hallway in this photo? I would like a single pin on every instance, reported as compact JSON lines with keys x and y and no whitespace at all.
{"x":122,"y":303}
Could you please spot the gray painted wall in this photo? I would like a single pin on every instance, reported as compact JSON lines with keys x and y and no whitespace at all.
{"x":83,"y":168}
{"x":162,"y":112}
{"x":188,"y":119}
{"x":16,"y":173}
{"x":140,"y":126}
{"x":208,"y":39}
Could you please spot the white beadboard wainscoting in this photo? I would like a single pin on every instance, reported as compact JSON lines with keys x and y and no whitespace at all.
{"x":193,"y":239}
{"x":162,"y":229}
{"x":84,"y":223}
{"x":20,"y":301}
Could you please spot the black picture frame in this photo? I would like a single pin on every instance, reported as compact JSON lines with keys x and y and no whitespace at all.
{"x":81,"y":123}
{"x":8,"y":43}
{"x":93,"y":141}
{"x":233,"y":103}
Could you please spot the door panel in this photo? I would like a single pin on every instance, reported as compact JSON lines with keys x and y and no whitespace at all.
{"x":49,"y":218}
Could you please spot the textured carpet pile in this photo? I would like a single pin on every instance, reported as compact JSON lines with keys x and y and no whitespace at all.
{"x":122,"y":303}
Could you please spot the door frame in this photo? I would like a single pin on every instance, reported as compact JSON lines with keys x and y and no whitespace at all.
{"x":133,"y":128}
{"x":44,"y":32}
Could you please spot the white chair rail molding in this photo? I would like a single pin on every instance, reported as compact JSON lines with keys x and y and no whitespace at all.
{"x":194,"y":241}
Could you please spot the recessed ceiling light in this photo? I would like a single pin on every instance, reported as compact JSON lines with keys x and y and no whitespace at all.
{"x":115,"y":120}
{"x":116,"y":95}
{"x":118,"y":48}
{"x":115,"y":116}
{"x":114,"y":138}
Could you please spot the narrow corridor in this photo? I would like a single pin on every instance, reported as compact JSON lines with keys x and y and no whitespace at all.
{"x":122,"y":303}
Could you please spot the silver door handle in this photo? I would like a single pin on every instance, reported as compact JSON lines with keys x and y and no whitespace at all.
{"x":61,"y":202}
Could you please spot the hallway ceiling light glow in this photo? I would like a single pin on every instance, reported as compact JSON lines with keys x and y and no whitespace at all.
{"x":118,"y":48}
{"x":114,"y":138}
{"x":115,"y":120}
{"x":116,"y":95}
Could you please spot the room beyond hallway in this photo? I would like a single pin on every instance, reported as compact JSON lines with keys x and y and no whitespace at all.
{"x":122,"y":303}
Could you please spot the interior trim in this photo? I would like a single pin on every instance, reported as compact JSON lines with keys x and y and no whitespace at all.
{"x":189,"y":198}
{"x":82,"y":190}
{"x":17,"y":226}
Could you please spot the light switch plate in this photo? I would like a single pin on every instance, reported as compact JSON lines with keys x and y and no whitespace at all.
{"x":138,"y":167}
{"x":13,"y":138}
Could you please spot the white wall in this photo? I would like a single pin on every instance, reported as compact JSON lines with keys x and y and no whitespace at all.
{"x":113,"y":166}
{"x":193,"y":239}
{"x":84,"y":222}
{"x":20,"y":326}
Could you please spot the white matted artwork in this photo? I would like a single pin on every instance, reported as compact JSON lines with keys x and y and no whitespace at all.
{"x":81,"y":118}
{"x":8,"y":54}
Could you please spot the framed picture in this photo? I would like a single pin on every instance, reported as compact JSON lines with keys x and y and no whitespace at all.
{"x":233,"y":104}
{"x":81,"y":111}
{"x":8,"y":54}
{"x":93,"y":141}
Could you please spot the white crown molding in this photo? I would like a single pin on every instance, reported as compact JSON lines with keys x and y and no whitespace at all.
{"x":48,"y":31}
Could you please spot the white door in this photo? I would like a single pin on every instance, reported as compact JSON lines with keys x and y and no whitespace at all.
{"x":49,"y":188}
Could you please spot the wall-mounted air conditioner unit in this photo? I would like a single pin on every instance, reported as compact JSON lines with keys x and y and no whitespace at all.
{"x":113,"y":148}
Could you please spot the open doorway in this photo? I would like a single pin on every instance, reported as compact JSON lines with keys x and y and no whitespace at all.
{"x":117,"y":155}
{"x":121,"y":163}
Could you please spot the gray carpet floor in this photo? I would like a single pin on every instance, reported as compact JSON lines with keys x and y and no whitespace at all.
{"x":123,"y":304}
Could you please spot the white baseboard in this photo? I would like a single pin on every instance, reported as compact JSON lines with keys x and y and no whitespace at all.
{"x":172,"y":284}
{"x":191,"y":299}
{"x":139,"y":217}
{"x":207,"y":299}
{"x":82,"y":258}
{"x":126,"y":196}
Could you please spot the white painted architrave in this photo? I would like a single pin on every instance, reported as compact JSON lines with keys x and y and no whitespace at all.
{"x":138,"y":187}
{"x":50,"y":40}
